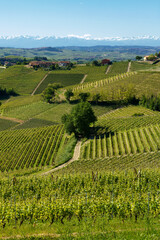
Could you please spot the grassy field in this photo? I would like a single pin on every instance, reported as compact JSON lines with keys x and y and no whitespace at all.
{"x":117,"y":68}
{"x":6,"y":124}
{"x":23,"y":80}
{"x":66,"y":79}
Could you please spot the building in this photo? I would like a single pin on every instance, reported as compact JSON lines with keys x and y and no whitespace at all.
{"x":105,"y":62}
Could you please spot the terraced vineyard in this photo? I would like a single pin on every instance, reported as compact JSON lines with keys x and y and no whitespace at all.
{"x":133,"y":141}
{"x":128,"y":118}
{"x":29,"y":148}
{"x":103,"y":82}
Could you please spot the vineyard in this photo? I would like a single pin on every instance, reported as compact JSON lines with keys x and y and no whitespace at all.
{"x":60,"y":199}
{"x":103,"y":82}
{"x":64,"y":79}
{"x":117,"y":68}
{"x":133,"y":141}
{"x":29,"y":148}
{"x":23,"y":80}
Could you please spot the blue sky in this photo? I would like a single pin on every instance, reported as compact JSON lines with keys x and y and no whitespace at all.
{"x":99,"y":18}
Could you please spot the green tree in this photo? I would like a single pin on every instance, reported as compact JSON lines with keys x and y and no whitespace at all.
{"x":84,"y":96}
{"x":50,"y":92}
{"x":96,"y":63}
{"x":96,"y":98}
{"x":138,"y":58}
{"x":79,"y":120}
{"x":68,"y":94}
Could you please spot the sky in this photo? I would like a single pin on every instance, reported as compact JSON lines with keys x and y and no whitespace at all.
{"x":97,"y":18}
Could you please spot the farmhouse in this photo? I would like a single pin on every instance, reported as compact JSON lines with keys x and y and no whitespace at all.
{"x":48,"y":64}
{"x":41,"y":64}
{"x":145,"y":58}
{"x":63,"y":63}
{"x":105,"y":62}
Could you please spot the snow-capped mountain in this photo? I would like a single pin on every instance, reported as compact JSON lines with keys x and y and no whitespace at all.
{"x":75,"y":40}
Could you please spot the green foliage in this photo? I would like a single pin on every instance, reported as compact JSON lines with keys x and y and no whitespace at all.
{"x":4,"y":93}
{"x":138,"y":58}
{"x":66,"y":151}
{"x":7,"y":124}
{"x":84,"y":96}
{"x":96,"y":98}
{"x":152,"y":102}
{"x":96,"y":63}
{"x":29,"y":148}
{"x":79,"y":120}
{"x":50,"y":92}
{"x":68,"y":94}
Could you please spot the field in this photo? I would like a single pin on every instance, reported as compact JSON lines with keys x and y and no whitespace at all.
{"x":110,"y":188}
{"x":30,"y":148}
{"x":114,"y":88}
{"x":5,"y":124}
{"x":23,"y":80}
{"x":117,"y":68}
{"x":105,"y":202}
{"x":65,"y":79}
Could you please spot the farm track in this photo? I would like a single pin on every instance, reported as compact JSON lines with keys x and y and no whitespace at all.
{"x":129,"y":67}
{"x":75,"y":157}
{"x":39,"y":84}
{"x":84,"y":78}
{"x":108,"y":69}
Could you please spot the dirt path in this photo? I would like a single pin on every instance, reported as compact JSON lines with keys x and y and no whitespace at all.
{"x":39,"y":84}
{"x":129,"y":67}
{"x":108,"y":69}
{"x":84,"y":78}
{"x":75,"y":157}
{"x":12,"y":119}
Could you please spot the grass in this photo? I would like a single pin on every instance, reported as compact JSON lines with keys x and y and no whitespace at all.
{"x":20,"y":101}
{"x":136,"y":66}
{"x":28,"y":111}
{"x":118,"y":68}
{"x":35,"y":123}
{"x":142,"y":83}
{"x":23,"y":80}
{"x":6,"y":124}
{"x":66,"y":79}
{"x":66,"y":151}
{"x":93,"y":73}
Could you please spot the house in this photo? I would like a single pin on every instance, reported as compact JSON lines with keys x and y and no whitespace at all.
{"x":145,"y":58}
{"x":41,"y":64}
{"x":105,"y":62}
{"x":63,"y":63}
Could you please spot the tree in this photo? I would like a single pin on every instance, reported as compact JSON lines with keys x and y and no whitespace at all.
{"x":96,"y":63}
{"x":79,"y":120}
{"x":96,"y":98}
{"x":84,"y":96}
{"x":68,"y":94}
{"x":138,"y":58}
{"x":49,"y":93}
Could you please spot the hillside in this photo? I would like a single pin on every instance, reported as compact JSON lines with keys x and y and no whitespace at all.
{"x":51,"y":182}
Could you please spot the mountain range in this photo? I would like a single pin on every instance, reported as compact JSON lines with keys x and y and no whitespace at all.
{"x":75,"y":40}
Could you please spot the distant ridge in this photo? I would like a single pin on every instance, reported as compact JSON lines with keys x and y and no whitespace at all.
{"x":73,"y":40}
